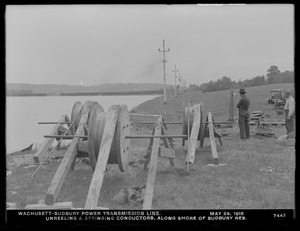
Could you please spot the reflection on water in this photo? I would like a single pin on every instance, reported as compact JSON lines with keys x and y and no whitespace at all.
{"x":24,"y":113}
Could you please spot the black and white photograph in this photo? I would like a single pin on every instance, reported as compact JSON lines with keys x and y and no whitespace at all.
{"x":150,"y":114}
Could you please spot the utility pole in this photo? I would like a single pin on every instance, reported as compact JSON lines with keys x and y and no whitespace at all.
{"x":179,"y":78}
{"x":175,"y":80}
{"x":164,"y":61}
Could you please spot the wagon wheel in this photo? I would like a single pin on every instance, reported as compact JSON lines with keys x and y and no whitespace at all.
{"x":96,"y":123}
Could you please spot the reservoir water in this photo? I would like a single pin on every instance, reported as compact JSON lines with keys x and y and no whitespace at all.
{"x":24,"y":113}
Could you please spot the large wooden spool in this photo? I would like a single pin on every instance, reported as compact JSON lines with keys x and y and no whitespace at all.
{"x":187,"y":123}
{"x":96,"y":123}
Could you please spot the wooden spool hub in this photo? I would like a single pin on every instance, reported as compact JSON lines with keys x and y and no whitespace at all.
{"x":96,"y":125}
{"x":189,"y":122}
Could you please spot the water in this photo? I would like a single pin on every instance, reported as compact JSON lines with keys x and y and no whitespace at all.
{"x":24,"y":113}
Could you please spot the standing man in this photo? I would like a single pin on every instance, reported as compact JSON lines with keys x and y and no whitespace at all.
{"x":289,"y":110}
{"x":244,"y":115}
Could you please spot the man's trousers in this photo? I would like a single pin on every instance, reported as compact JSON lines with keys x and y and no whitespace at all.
{"x":244,"y":127}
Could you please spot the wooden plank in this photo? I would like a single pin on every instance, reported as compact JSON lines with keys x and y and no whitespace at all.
{"x":147,"y":204}
{"x":107,"y":138}
{"x":56,"y":206}
{"x":212,"y":140}
{"x":65,"y":164}
{"x":47,"y":142}
{"x":192,"y":143}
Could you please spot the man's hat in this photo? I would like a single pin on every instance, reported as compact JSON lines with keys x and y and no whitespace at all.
{"x":288,"y":92}
{"x":242,"y":91}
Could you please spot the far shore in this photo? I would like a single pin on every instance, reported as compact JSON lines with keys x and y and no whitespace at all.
{"x":152,"y":92}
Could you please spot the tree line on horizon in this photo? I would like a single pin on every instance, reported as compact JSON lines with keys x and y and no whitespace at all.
{"x":274,"y":75}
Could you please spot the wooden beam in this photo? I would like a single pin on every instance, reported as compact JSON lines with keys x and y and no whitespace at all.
{"x":212,"y":140}
{"x":65,"y":164}
{"x":47,"y":143}
{"x":155,"y":136}
{"x":55,"y":206}
{"x":231,"y":107}
{"x":66,"y":137}
{"x":139,"y":114}
{"x":147,"y":204}
{"x":192,"y":143}
{"x":105,"y":146}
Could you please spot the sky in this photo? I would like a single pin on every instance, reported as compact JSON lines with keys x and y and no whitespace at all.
{"x":97,"y":44}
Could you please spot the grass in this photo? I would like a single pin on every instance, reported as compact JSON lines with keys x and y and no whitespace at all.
{"x":260,"y":173}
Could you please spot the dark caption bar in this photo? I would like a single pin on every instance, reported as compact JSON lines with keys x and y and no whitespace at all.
{"x":16,"y":218}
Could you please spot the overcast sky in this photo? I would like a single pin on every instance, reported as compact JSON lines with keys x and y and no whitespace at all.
{"x":96,"y":44}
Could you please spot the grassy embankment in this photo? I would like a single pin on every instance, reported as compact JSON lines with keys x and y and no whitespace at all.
{"x":259,"y":173}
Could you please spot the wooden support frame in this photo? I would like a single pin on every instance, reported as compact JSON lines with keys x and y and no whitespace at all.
{"x":206,"y":132}
{"x":105,"y":147}
{"x":192,"y":142}
{"x":147,"y":204}
{"x":38,"y":156}
{"x":212,"y":142}
{"x":169,"y":145}
{"x":66,"y":164}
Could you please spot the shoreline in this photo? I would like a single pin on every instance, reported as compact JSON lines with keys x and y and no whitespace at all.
{"x":110,"y":93}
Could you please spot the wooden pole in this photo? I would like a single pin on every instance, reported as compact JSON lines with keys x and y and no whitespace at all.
{"x":108,"y":135}
{"x":147,"y":204}
{"x":66,"y":137}
{"x":192,"y":143}
{"x":155,"y":136}
{"x":231,"y":107}
{"x":65,"y":164}
{"x":147,"y":122}
{"x":54,"y":122}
